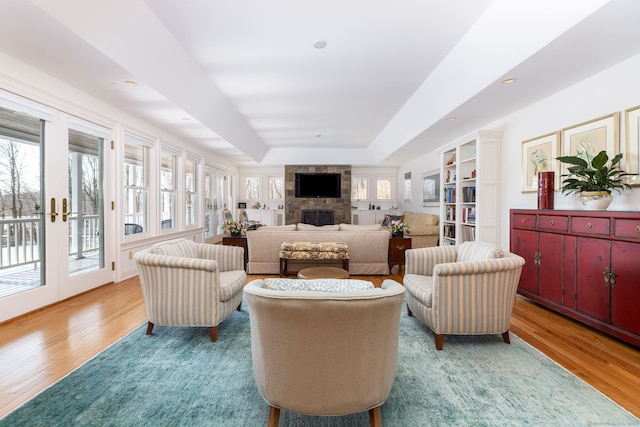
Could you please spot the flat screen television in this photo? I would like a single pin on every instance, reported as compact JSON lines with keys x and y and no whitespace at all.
{"x":318,"y":185}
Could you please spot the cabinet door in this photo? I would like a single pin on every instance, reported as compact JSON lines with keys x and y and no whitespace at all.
{"x":625,"y":309}
{"x":526,"y":245}
{"x":592,"y":257}
{"x":550,"y":247}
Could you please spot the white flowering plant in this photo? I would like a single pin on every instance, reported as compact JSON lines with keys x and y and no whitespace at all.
{"x":232,"y":227}
{"x":397,"y":227}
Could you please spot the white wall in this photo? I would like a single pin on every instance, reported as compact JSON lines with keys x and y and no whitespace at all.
{"x":613,"y":90}
{"x":417,"y":167}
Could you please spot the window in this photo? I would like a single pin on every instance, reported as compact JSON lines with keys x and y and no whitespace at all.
{"x":276,"y":188}
{"x":252,"y":188}
{"x":383,"y":189}
{"x":136,"y":183}
{"x":191,"y":192}
{"x":359,"y":188}
{"x":168,"y":187}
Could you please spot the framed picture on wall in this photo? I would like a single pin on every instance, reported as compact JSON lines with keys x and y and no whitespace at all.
{"x":539,"y":155}
{"x":589,"y":138}
{"x":431,"y":188}
{"x":632,"y":155}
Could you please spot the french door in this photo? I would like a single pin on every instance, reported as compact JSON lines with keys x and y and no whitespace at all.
{"x":57,"y":238}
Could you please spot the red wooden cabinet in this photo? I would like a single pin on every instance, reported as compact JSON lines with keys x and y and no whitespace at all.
{"x":584,"y":264}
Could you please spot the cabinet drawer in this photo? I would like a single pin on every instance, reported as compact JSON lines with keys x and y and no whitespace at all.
{"x":559,"y":223}
{"x":594,"y":226}
{"x":627,"y":229}
{"x":524,"y":221}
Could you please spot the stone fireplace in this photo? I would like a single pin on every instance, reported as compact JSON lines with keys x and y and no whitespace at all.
{"x":293,"y":206}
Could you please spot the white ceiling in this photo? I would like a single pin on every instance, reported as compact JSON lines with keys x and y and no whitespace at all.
{"x":242,"y":78}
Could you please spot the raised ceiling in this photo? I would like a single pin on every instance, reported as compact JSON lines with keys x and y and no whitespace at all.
{"x":243,"y":79}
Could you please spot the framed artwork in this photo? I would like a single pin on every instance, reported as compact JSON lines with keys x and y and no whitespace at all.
{"x":407,"y":187}
{"x":589,"y":138}
{"x":632,"y":155}
{"x":539,"y":155}
{"x":431,"y":188}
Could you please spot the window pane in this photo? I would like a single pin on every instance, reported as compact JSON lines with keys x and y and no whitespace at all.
{"x":252,"y":187}
{"x":135,"y":187}
{"x":191,"y":171}
{"x":167,"y":171}
{"x":383,"y":189}
{"x":134,"y":159}
{"x":276,"y":188}
{"x":359,"y":190}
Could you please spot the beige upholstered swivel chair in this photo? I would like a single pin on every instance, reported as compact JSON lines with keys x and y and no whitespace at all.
{"x":467,"y":289}
{"x":191,"y":284}
{"x":324,"y":353}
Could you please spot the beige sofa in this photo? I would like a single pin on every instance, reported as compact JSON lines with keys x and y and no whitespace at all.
{"x":368,"y":246}
{"x":424,"y":229}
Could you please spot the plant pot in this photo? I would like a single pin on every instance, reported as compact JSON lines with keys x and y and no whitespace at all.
{"x":236,"y":234}
{"x":595,"y":200}
{"x":398,"y":234}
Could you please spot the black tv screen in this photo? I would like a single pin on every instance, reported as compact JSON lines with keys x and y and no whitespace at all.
{"x":326,"y":185}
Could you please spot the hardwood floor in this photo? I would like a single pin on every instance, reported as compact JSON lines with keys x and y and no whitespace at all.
{"x":38,"y":349}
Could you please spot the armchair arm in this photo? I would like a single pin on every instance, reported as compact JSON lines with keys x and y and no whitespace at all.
{"x":229,"y":258}
{"x":423,"y":260}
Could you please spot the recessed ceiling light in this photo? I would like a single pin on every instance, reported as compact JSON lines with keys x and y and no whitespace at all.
{"x":420,"y":139}
{"x":320,"y":44}
{"x":509,"y":80}
{"x":319,"y":135}
{"x":130,"y":83}
{"x":451,"y":118}
{"x":111,"y":83}
{"x":186,"y":119}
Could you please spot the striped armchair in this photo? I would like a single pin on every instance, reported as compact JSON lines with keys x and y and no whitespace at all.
{"x":466,"y":289}
{"x":191,"y":284}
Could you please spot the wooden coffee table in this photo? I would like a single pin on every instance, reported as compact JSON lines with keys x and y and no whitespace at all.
{"x":323,"y":273}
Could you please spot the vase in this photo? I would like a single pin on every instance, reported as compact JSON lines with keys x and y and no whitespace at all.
{"x":545,"y":190}
{"x":595,"y":200}
{"x":397,"y":234}
{"x":236,"y":234}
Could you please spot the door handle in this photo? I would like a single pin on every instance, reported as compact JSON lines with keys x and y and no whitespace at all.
{"x":65,"y":212}
{"x":53,"y":212}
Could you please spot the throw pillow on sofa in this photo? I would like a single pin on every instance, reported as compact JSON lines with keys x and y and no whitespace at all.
{"x":318,"y":285}
{"x":388,"y":219}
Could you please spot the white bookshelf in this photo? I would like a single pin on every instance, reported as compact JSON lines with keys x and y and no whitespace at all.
{"x":469,"y":189}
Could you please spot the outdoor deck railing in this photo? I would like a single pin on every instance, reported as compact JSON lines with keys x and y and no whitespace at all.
{"x":21,"y":238}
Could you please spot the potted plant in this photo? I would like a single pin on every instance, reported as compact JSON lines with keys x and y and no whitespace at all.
{"x":593,"y":179}
{"x":398,"y":228}
{"x":233,"y":227}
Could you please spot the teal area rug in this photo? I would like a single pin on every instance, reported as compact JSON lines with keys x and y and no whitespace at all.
{"x":178,"y":377}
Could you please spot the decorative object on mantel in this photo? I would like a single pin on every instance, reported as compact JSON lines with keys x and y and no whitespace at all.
{"x":398,"y":228}
{"x":592,"y":180}
{"x":545,"y":189}
{"x":233,"y":227}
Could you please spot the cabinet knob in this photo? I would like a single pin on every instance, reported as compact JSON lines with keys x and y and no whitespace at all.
{"x":524,"y":220}
{"x":638,"y":229}
{"x":553,"y":222}
{"x":589,"y":225}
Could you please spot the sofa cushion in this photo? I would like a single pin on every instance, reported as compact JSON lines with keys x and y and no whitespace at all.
{"x":290,"y":227}
{"x":356,"y":227}
{"x":318,"y":285}
{"x":311,"y":227}
{"x":178,"y":247}
{"x":478,"y":251}
{"x":388,"y":218}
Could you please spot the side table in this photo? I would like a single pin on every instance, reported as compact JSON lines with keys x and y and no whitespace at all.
{"x":397,"y":247}
{"x":240,"y":241}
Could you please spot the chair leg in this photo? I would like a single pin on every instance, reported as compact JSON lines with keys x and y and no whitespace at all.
{"x":274,"y":416}
{"x":239,"y":308}
{"x":505,"y":337}
{"x":149,"y":328}
{"x":213,"y":333}
{"x":439,"y":341}
{"x":375,"y":420}
{"x":409,"y":312}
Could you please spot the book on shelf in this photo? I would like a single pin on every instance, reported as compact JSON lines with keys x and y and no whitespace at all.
{"x":450,"y":195}
{"x":468,"y":233}
{"x":468,"y":215}
{"x":469,"y":194}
